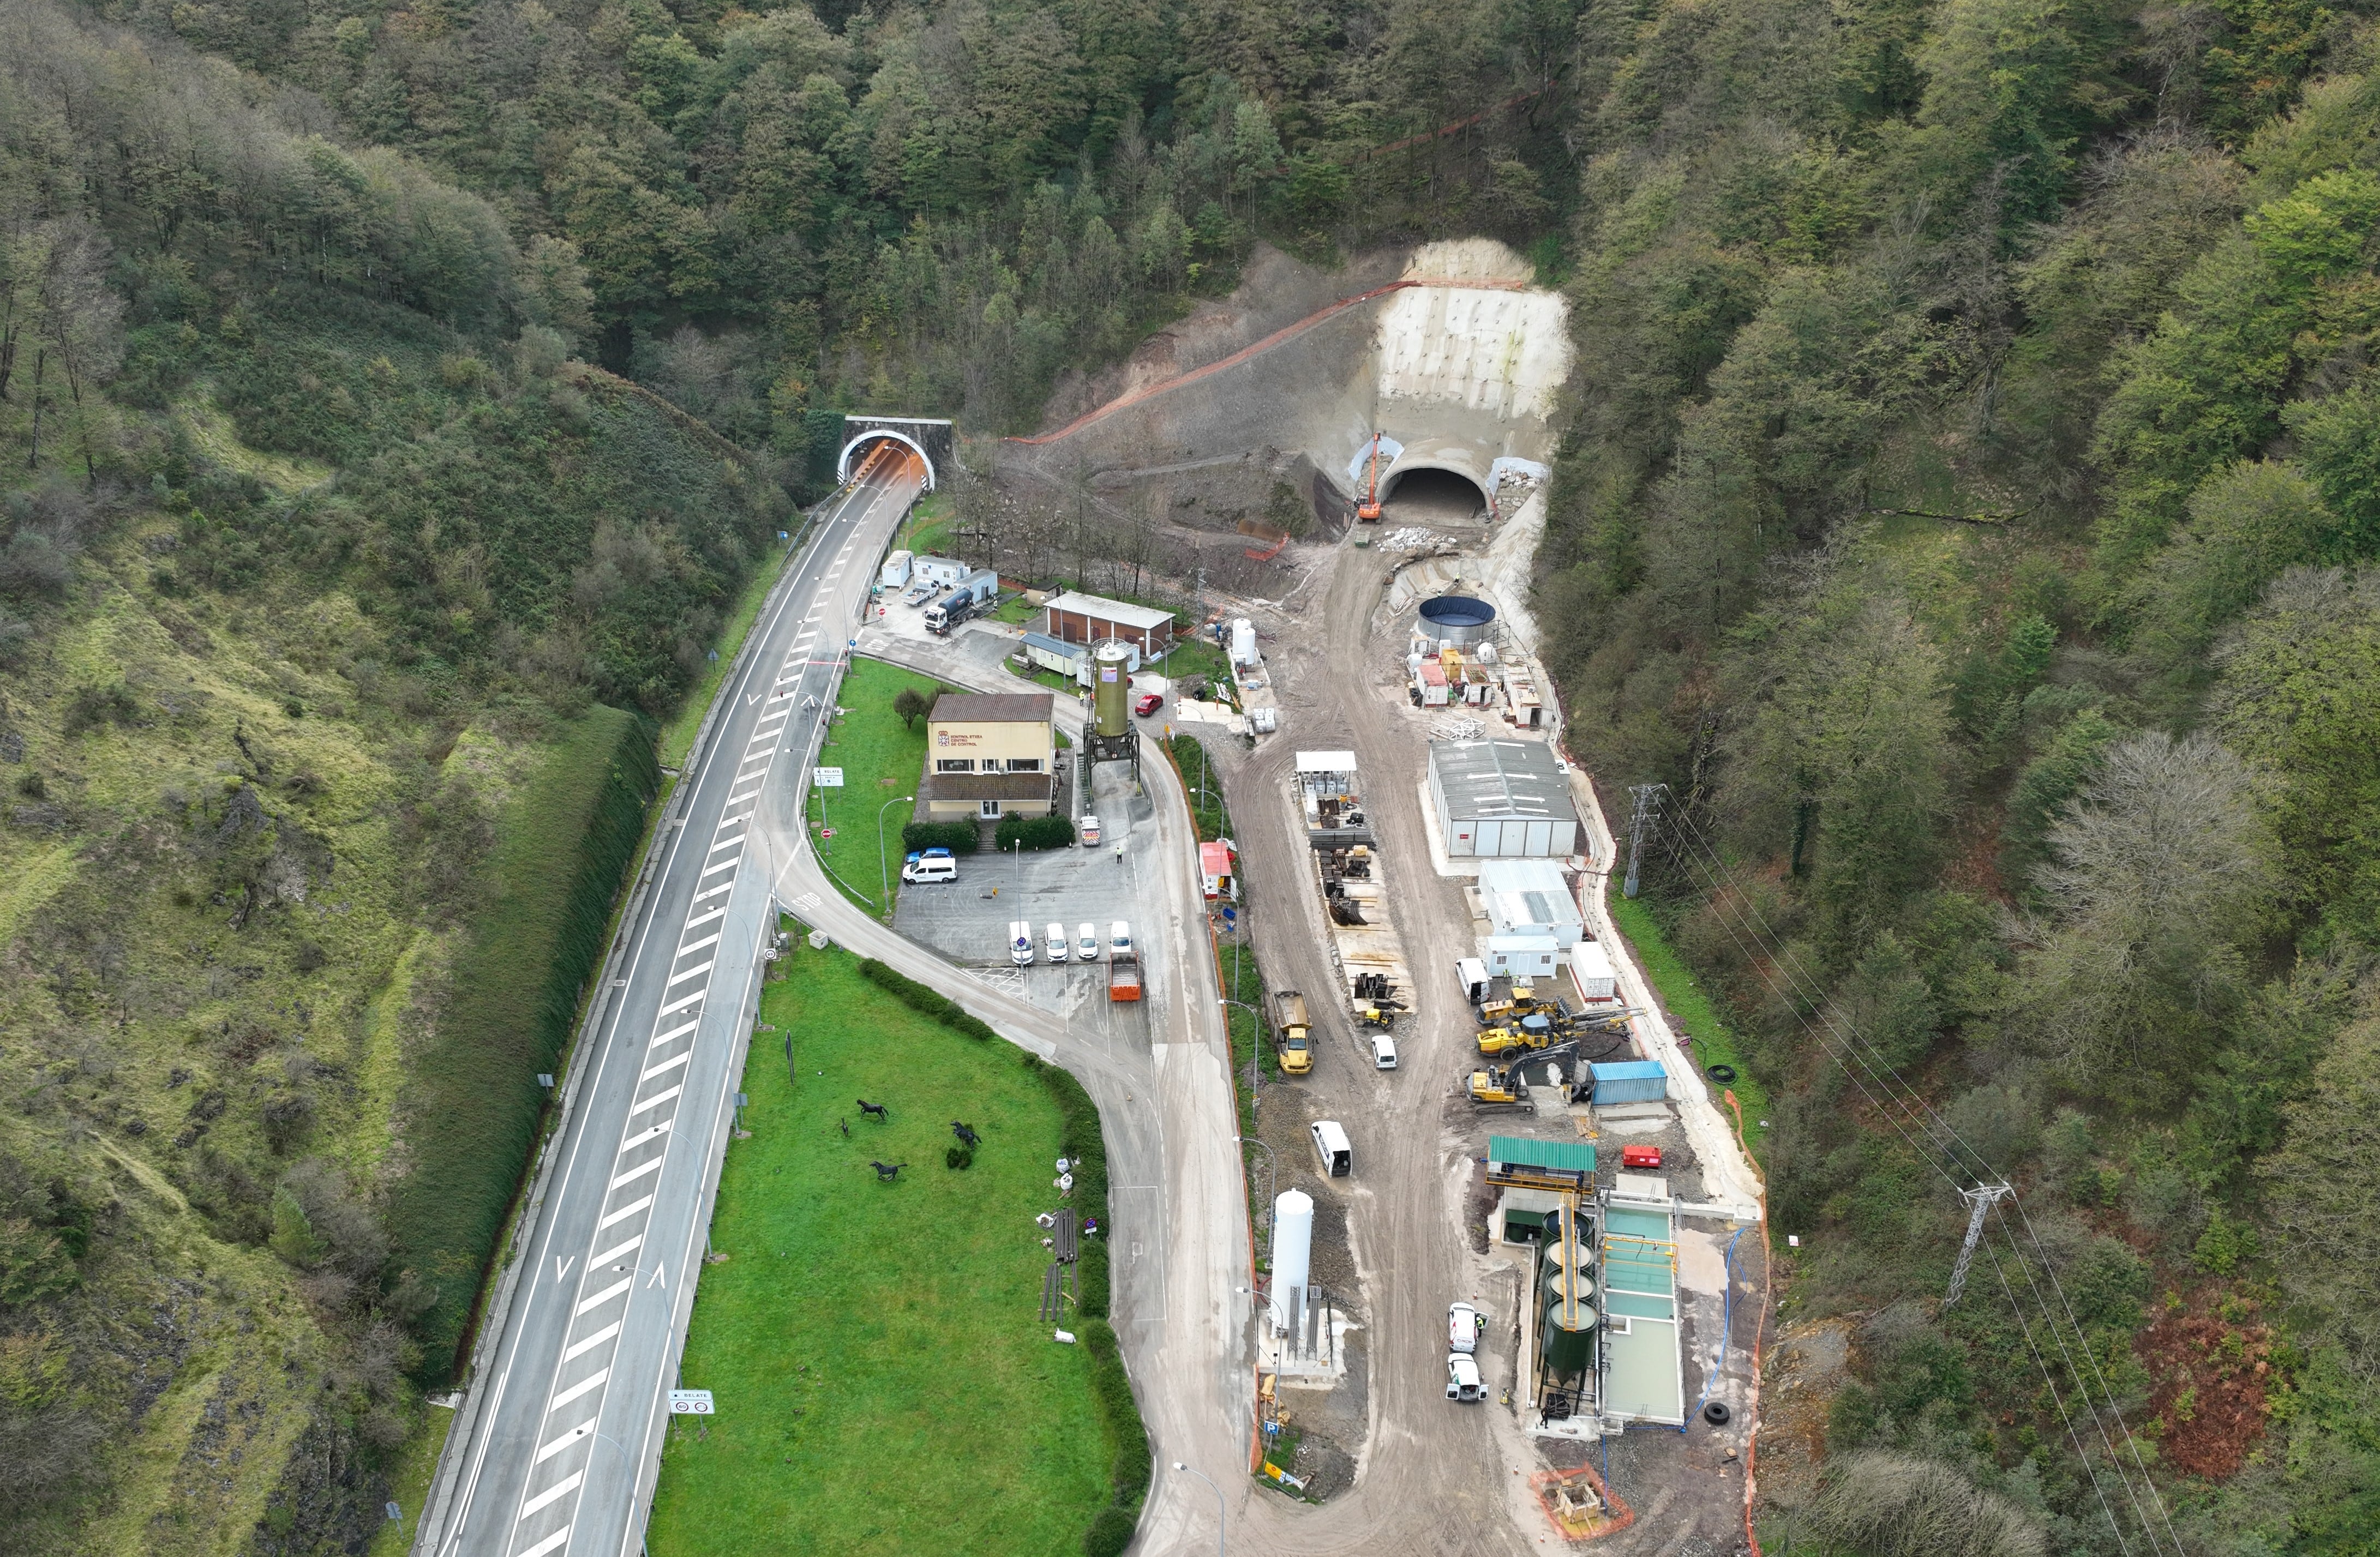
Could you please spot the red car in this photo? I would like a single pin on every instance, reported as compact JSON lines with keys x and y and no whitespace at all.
{"x":1639,"y":1156}
{"x":1147,"y":703}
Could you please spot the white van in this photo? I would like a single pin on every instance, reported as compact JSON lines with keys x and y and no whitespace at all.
{"x":1333,"y":1150}
{"x":930,"y":869}
{"x":1086,"y":943}
{"x":1020,"y":942}
{"x":1472,"y":974}
{"x":1057,"y":945}
{"x":1086,"y":831}
{"x":1463,"y":1378}
{"x":1120,"y":942}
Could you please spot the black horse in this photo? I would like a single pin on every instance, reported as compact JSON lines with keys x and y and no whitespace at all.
{"x":884,"y":1171}
{"x":877,"y":1109}
{"x":966,"y":1135}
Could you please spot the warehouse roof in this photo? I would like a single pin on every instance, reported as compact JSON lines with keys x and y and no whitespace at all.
{"x":1058,"y":647}
{"x":1117,"y":611}
{"x":1501,"y":779}
{"x":992,"y":707}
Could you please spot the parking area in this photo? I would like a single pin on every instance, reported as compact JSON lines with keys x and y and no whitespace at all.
{"x":968,"y":919}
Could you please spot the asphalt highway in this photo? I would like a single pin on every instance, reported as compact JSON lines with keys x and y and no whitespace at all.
{"x":557,"y":1446}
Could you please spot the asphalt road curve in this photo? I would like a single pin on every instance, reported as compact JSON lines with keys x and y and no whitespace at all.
{"x":558,"y":1444}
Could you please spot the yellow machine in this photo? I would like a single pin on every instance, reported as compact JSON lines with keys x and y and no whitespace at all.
{"x":1507,"y":997}
{"x":1498,"y":1087}
{"x":1506,"y":1040}
{"x":1383,"y":1017}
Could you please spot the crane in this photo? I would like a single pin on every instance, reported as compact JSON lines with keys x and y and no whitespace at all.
{"x":1368,"y":511}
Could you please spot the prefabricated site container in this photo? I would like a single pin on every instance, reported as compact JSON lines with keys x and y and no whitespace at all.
{"x":897,"y":570}
{"x":938,"y":570}
{"x":1215,"y":870}
{"x":1631,"y":1080}
{"x":1591,"y":970}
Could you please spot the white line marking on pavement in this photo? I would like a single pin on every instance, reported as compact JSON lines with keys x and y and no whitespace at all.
{"x":592,"y":1382}
{"x":706,"y":940}
{"x":568,"y":1439}
{"x":656,"y":1098}
{"x":646,"y":1138}
{"x":559,"y":1490}
{"x":602,"y":1297}
{"x":550,"y":1543}
{"x":665,"y":1064}
{"x":610,"y":1254}
{"x":620,"y":1216}
{"x":676,"y":1004}
{"x":562,"y":1266}
{"x":694,"y":973}
{"x":580,"y":1348}
{"x":639,"y":1171}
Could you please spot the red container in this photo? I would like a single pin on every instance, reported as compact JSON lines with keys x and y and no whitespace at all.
{"x":1639,"y":1156}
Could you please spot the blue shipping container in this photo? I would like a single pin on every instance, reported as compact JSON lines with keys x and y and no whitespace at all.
{"x":1635,"y":1080}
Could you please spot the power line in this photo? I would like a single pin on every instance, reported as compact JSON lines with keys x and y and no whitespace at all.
{"x":1912,"y":1109}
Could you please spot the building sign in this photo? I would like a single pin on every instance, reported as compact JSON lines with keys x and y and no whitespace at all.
{"x":957,"y":738}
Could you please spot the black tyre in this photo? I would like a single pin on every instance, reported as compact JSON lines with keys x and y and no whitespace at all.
{"x":1722,"y":1074}
{"x":1717,"y":1413}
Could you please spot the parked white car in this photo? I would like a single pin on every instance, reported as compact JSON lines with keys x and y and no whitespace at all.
{"x":1020,"y":942}
{"x":1087,"y":942}
{"x":1464,"y":1324}
{"x":1384,"y":1052}
{"x":1463,"y":1378}
{"x":1057,"y":942}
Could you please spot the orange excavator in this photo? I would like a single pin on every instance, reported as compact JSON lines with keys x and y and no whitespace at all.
{"x":1368,"y":511}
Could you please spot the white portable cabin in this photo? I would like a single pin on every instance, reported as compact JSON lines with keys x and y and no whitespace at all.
{"x":897,"y":570}
{"x":1591,"y":970}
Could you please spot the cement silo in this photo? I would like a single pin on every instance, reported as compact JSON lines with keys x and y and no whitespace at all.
{"x":1292,"y":1253}
{"x":1244,"y":641}
{"x":1110,"y":689}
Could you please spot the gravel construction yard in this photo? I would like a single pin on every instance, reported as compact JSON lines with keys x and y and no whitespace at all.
{"x":883,"y":1384}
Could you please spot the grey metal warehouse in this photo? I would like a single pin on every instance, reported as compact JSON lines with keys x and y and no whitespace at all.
{"x":1501,"y":798}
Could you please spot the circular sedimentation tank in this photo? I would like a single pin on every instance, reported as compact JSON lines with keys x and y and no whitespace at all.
{"x":1457,"y":619}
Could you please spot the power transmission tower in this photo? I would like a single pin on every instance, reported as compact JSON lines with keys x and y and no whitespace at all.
{"x":1640,"y":826}
{"x":1979,"y":1201}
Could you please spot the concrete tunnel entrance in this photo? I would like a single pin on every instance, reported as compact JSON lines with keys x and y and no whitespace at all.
{"x":1428,"y":495}
{"x":855,"y":454}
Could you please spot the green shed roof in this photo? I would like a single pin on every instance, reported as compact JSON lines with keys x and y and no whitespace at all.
{"x":1572,"y":1156}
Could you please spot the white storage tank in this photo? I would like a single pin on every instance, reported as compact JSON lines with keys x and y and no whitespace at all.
{"x":1244,"y":641}
{"x":1293,"y":1251}
{"x":896,"y":570}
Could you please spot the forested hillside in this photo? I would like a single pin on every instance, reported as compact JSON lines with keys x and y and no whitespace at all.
{"x":1967,"y":514}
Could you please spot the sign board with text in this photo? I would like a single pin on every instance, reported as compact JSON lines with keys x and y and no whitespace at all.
{"x":691,"y":1402}
{"x":827,"y":777}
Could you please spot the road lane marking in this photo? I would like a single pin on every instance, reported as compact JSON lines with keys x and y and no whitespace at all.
{"x":592,"y":1382}
{"x":707,"y":940}
{"x":575,"y":1434}
{"x":604,"y":1297}
{"x":551,"y":1494}
{"x":629,"y":1247}
{"x":698,"y":921}
{"x":550,"y":1543}
{"x":653,"y":1101}
{"x":665,"y":1064}
{"x":646,"y":1138}
{"x":719,"y":849}
{"x":640,"y":1170}
{"x":689,"y":1000}
{"x":693,"y":972}
{"x":620,"y":1216}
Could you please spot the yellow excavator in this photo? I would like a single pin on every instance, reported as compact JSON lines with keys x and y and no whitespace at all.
{"x":1532,"y":1032}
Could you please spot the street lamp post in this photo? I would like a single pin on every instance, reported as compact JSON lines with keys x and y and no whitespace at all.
{"x":1220,"y":1518}
{"x":1255,"y":1047}
{"x":883,"y":872}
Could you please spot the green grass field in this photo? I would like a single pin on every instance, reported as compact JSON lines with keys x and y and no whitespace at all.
{"x":677,"y":736}
{"x":880,"y":759}
{"x":883,"y":1383}
{"x":1682,"y":994}
{"x":929,"y":526}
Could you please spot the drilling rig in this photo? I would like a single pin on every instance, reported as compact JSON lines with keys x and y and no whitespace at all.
{"x":1368,"y":511}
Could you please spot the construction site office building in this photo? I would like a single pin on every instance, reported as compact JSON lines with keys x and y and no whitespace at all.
{"x":1073,"y":618}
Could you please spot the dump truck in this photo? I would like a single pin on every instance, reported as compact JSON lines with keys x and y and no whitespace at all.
{"x":1123,"y":981}
{"x":1293,"y":1032}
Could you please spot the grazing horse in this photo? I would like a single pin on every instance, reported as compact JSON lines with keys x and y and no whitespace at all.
{"x":884,"y":1171}
{"x":966,"y":1135}
{"x":877,"y":1109}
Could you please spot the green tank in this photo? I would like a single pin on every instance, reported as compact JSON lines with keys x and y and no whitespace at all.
{"x":1110,"y":689}
{"x":1566,"y":1342}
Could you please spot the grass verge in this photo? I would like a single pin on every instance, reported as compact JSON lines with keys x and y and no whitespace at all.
{"x":883,"y":1381}
{"x":1683,"y":998}
{"x":564,"y":846}
{"x":880,"y":759}
{"x":1202,"y":784}
{"x":677,"y":736}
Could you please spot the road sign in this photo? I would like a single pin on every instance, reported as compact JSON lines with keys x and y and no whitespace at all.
{"x":691,"y":1402}
{"x":826,"y":832}
{"x":828,"y":778}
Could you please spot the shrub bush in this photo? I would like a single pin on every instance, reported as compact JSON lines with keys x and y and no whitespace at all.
{"x":957,"y":1158}
{"x":1111,"y":1390}
{"x":1034,"y":832}
{"x":959,"y":837}
{"x":917,"y":998}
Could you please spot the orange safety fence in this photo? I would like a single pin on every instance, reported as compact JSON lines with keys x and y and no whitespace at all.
{"x":1580,"y":1523}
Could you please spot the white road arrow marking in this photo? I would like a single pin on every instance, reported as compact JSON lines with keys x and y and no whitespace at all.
{"x":660,"y":1274}
{"x":562,"y":1266}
